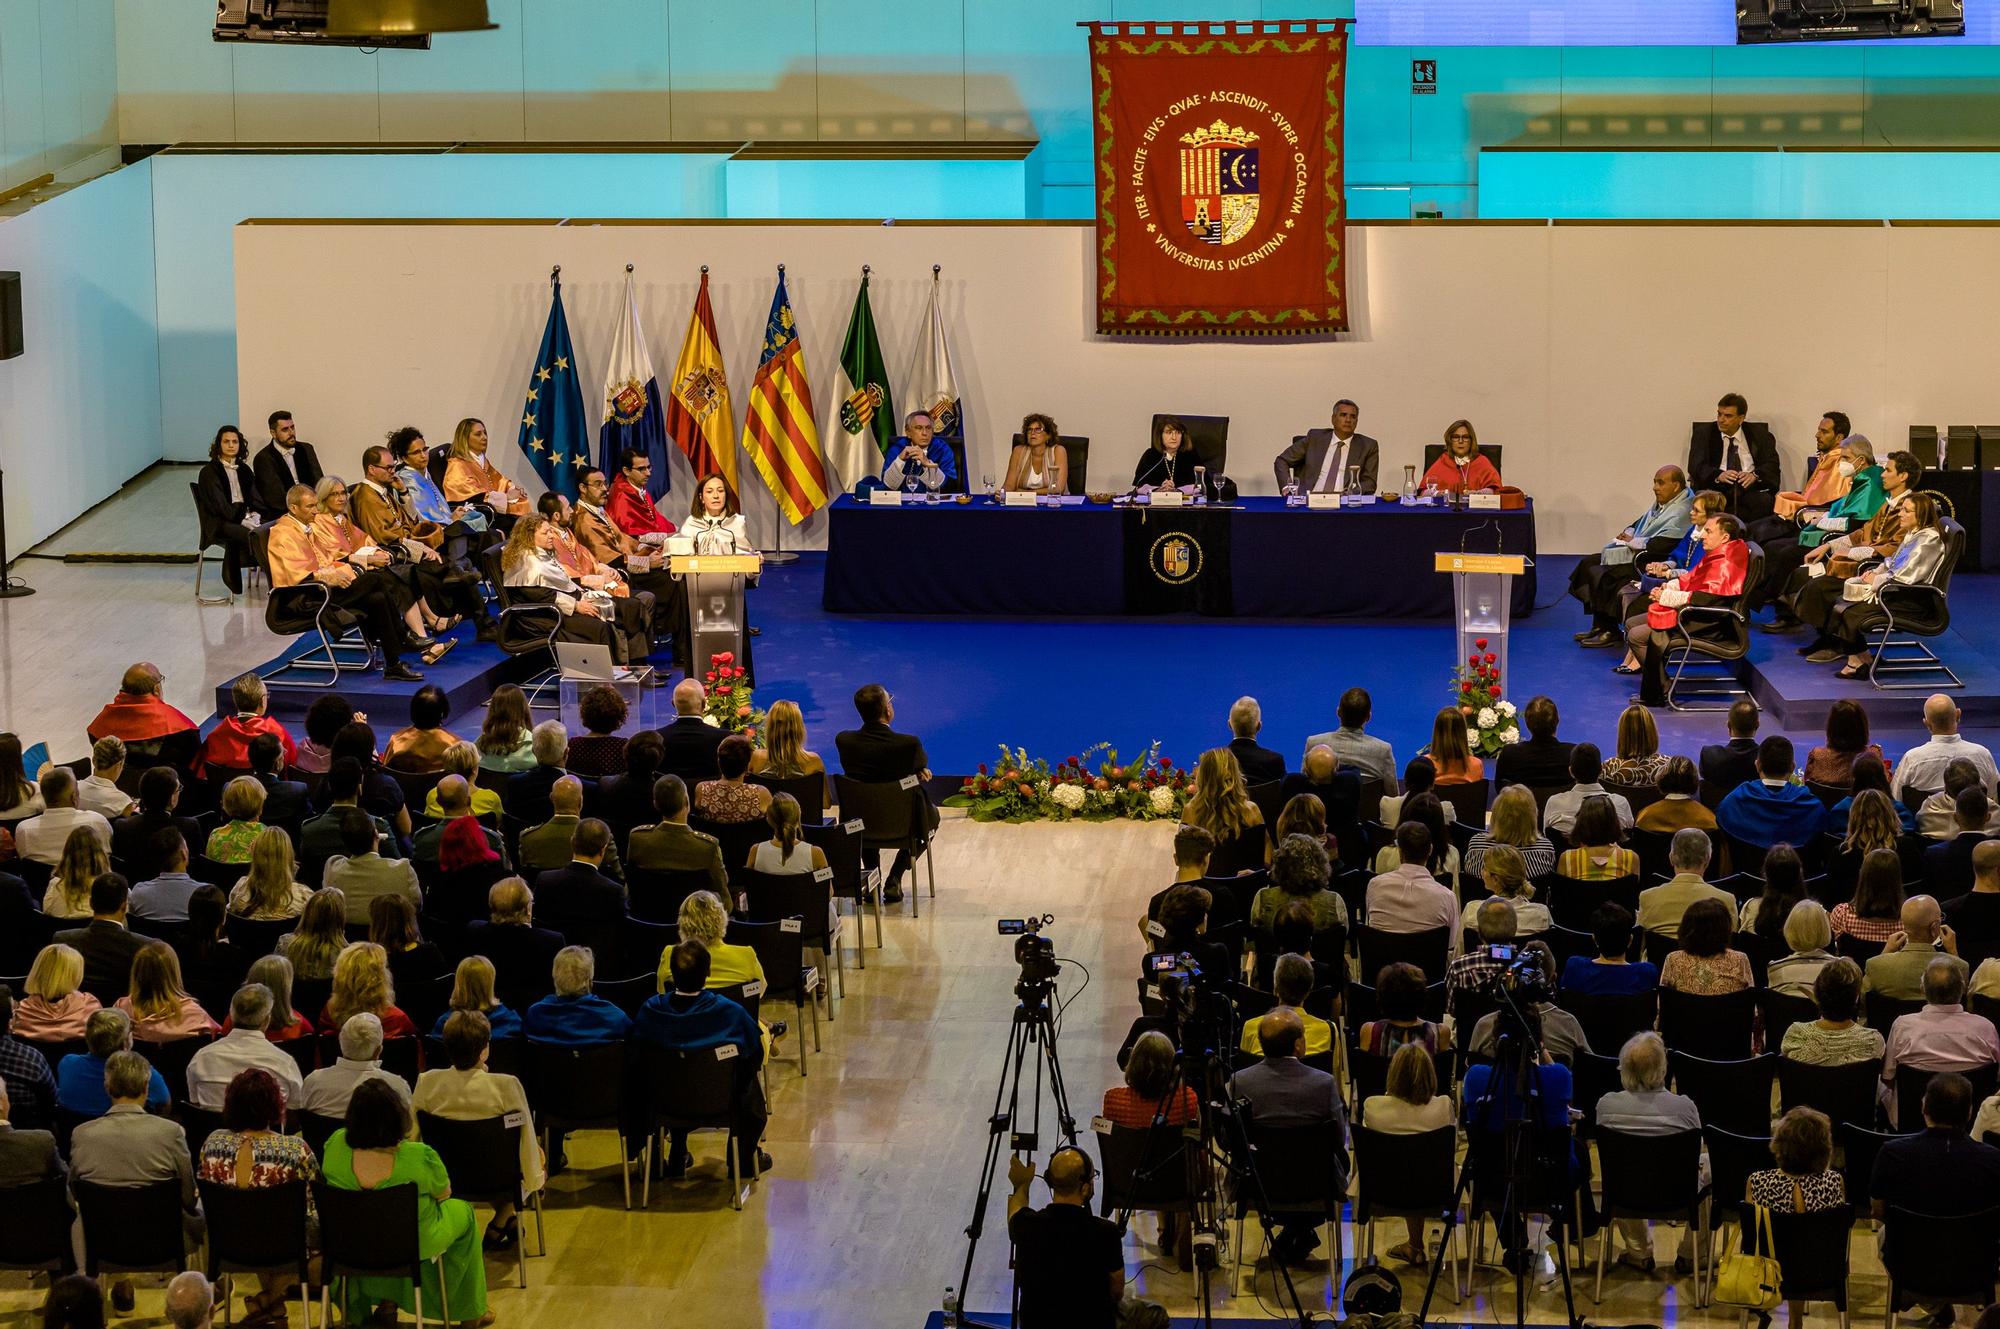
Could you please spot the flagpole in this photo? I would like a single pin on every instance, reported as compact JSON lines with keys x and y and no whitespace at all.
{"x":779,"y":555}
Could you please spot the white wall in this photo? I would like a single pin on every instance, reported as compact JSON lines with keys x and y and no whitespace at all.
{"x":58,"y":85}
{"x":80,"y":411}
{"x":1584,"y":350}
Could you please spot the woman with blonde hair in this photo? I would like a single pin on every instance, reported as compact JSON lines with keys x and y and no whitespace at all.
{"x":472,"y":989}
{"x":469,"y":476}
{"x":361,"y":982}
{"x":160,"y":1008}
{"x":270,"y":890}
{"x":1411,"y":1105}
{"x":785,"y":853}
{"x":55,"y":1008}
{"x":320,"y":936}
{"x":1513,"y":821}
{"x":1220,"y":805}
{"x":1039,"y":462}
{"x":462,"y":759}
{"x":784,"y":755}
{"x":704,"y":918}
{"x":1506,"y":878}
{"x":1451,"y":750}
{"x":1638,"y":763}
{"x":1460,"y":468}
{"x":243,"y":804}
{"x":83,"y":861}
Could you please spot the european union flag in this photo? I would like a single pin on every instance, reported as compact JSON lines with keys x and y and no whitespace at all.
{"x":553,"y":434}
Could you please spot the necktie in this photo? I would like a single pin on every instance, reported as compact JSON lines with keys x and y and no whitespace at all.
{"x":1735,"y":456}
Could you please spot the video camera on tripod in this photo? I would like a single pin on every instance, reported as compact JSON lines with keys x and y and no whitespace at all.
{"x":1035,"y":953}
{"x":1522,"y":974}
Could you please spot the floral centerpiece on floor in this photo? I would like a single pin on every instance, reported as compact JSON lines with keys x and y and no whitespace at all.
{"x":1490,"y":723}
{"x":1094,"y":786}
{"x":730,"y":702}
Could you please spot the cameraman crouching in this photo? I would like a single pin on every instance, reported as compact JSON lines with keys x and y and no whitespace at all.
{"x":1068,"y":1262}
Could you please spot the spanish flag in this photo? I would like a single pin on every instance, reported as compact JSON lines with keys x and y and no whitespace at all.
{"x":779,"y":433}
{"x":699,"y":415}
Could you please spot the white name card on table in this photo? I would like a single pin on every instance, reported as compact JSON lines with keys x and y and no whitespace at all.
{"x":1483,"y":502}
{"x":885,"y":498}
{"x":1168,"y":498}
{"x":1357,"y":500}
{"x":1318,"y":502}
{"x":1019,"y":498}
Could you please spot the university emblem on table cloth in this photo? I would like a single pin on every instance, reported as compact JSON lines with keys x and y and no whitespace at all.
{"x":628,"y":403}
{"x":1176,"y":558}
{"x":1219,"y":183}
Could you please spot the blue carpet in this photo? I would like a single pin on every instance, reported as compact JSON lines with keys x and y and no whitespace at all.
{"x":1058,"y":685}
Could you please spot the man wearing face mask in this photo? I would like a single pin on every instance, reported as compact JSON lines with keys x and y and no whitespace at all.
{"x":1783,"y":556}
{"x":1737,"y":457}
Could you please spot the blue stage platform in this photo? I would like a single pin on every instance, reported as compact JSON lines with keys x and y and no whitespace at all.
{"x":1058,"y":685}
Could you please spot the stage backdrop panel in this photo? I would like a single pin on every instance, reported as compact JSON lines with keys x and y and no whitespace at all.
{"x":1585,"y":350}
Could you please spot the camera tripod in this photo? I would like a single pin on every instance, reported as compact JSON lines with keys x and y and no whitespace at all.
{"x":1518,"y":1057}
{"x":1033,"y":1024}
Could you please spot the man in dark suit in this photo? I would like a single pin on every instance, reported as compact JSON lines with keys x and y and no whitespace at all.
{"x":527,"y":794}
{"x":25,"y":1156}
{"x":1338,"y":789}
{"x":1737,"y":457}
{"x":1260,"y":765}
{"x":135,"y":838}
{"x":1541,"y":760}
{"x":107,"y":947}
{"x":284,"y":800}
{"x":1726,"y":765}
{"x":1319,"y":459}
{"x":282,"y":463}
{"x":877,"y":754}
{"x":689,"y":740}
{"x":1948,"y":864}
{"x":580,"y":899}
{"x":523,"y":955}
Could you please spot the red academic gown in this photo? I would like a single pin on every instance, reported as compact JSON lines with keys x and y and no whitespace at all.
{"x":1447,"y":474}
{"x":631,"y":510}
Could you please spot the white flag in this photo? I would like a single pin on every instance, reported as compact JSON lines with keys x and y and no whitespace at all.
{"x":933,"y":386}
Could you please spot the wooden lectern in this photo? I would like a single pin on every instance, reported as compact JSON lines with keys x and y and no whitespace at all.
{"x":715,"y":603}
{"x":1483,"y":596}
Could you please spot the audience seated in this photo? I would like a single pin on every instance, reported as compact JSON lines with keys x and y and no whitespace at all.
{"x":1143,"y":1102}
{"x":1875,"y":914}
{"x":80,"y":1086}
{"x":163,"y":898}
{"x":1975,"y":916}
{"x":1291,"y":980}
{"x":252,"y":1151}
{"x":1399,"y":997}
{"x":213,"y":1070}
{"x":1472,"y":973}
{"x":361,"y":982}
{"x":414,"y":963}
{"x":625,"y":801}
{"x":20,"y":795}
{"x":1337,"y":789}
{"x":228,"y":744}
{"x":1922,"y":767}
{"x":1898,"y":972}
{"x":1285,"y":1092}
{"x":689,"y":1018}
{"x":1595,"y":853}
{"x":1513,"y":822}
{"x":105,"y":944}
{"x":1724,"y":766}
{"x":1772,"y":809}
{"x":1835,"y":1038}
{"x":1220,"y":805}
{"x":669,"y":845}
{"x":527,"y":796}
{"x":1354,"y":747}
{"x":579,"y":893}
{"x":689,"y":740}
{"x":421,"y":746}
{"x":325,"y":718}
{"x":1678,"y":806}
{"x":1871,"y":776}
{"x":27,"y":1153}
{"x":1832,"y":762}
{"x":1301,"y":871}
{"x":1193,"y":847}
{"x":1941,"y":1171}
{"x":126,"y":1145}
{"x":314,"y":947}
{"x":1937,"y":814}
{"x":462,"y":759}
{"x":158,"y":1006}
{"x":729,"y":797}
{"x":1807,"y":934}
{"x":1069,"y":1264}
{"x":1562,"y":1033}
{"x":1410,"y":1105}
{"x":24,"y":1073}
{"x":472,"y":989}
{"x":467,"y":1091}
{"x":1642,"y":1105}
{"x":459,"y":844}
{"x":1661,"y":907}
{"x":1259,"y":764}
{"x":1541,"y":760}
{"x":599,"y":751}
{"x":320,"y":837}
{"x":1609,"y":973}
{"x":360,"y":872}
{"x":1948,"y":864}
{"x":83,"y":861}
{"x":1943,"y":1036}
{"x":99,"y":791}
{"x":1183,"y":919}
{"x":1419,"y":777}
{"x":1407,"y":898}
{"x":143,"y":720}
{"x":507,"y":738}
{"x":328,"y":1090}
{"x":243,"y":804}
{"x":1507,"y":880}
{"x":135,"y":838}
{"x":41,"y":837}
{"x":1441,"y":855}
{"x":1706,"y":965}
{"x":574,"y":1017}
{"x":55,"y":1008}
{"x":786,"y":853}
{"x":1585,"y":768}
{"x":1639,"y":763}
{"x":519,"y":950}
{"x":1766,"y":913}
{"x":274,"y":974}
{"x":212,"y":965}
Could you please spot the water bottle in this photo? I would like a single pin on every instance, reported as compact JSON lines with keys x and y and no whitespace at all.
{"x":950,"y":1308}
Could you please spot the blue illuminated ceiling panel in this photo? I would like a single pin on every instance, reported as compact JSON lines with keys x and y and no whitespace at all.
{"x":1585,"y":23}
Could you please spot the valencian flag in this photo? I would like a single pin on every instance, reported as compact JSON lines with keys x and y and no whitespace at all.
{"x":699,"y":416}
{"x":933,"y":386}
{"x":863,"y":421}
{"x":779,"y":433}
{"x":552,"y":430}
{"x":633,"y":417}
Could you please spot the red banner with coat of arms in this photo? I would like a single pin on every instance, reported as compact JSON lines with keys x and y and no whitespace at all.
{"x":1220,"y":201}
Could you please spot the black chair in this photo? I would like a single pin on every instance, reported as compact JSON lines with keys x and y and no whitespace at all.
{"x":840,"y":841}
{"x":1654,"y":1177}
{"x":692,"y":1090}
{"x":578,"y":1088}
{"x":656,"y":894}
{"x":1846,"y":1094}
{"x":1572,"y":902}
{"x":483,"y":1159}
{"x":35,"y":1228}
{"x":1782,"y":1010}
{"x":1076,"y":448}
{"x":1406,"y":1176}
{"x":256,"y":1230}
{"x":528,"y":627}
{"x":317,"y":1130}
{"x":372,"y":1234}
{"x":780,"y":950}
{"x":210,"y":537}
{"x":1265,"y":796}
{"x":131,"y":1229}
{"x":171,"y":1060}
{"x":1858,"y":1147}
{"x":257,"y":936}
{"x":1812,"y":1254}
{"x":53,"y":1053}
{"x":1881,"y":1012}
{"x":808,"y":790}
{"x":1568,"y":944}
{"x":642,"y":944}
{"x":1426,"y":950}
{"x":1716,"y":1028}
{"x":737,"y":839}
{"x":1468,"y":802}
{"x":1731,"y":1160}
{"x":308,"y":608}
{"x":1142,"y":1169}
{"x":1208,"y":435}
{"x":628,"y":994}
{"x":1735,"y":1095}
{"x":1912,"y":614}
{"x":1954,"y":1259}
{"x":1723,"y":639}
{"x":807,"y":896}
{"x":1593,"y":1075}
{"x":1911,"y":1083}
{"x":1609,"y":1020}
{"x":895,"y":815}
{"x":1300,"y":1168}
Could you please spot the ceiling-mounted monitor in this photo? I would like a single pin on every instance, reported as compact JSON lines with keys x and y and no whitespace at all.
{"x":1761,"y":21}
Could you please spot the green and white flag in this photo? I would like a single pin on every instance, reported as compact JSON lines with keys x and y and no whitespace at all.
{"x":863,"y":422}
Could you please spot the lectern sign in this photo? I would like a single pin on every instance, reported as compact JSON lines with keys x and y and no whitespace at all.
{"x":1219,"y":183}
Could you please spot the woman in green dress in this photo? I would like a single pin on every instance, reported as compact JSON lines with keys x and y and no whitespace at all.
{"x":373,"y":1151}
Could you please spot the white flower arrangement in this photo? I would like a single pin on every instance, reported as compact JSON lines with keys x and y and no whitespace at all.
{"x":1068,"y":797}
{"x":1487,"y":718}
{"x":1162,"y":799}
{"x":1505,"y":708}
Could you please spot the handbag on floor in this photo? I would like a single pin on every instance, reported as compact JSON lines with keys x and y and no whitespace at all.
{"x":1751,"y":1279}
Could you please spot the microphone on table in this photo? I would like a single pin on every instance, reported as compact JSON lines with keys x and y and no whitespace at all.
{"x":1159,"y":461}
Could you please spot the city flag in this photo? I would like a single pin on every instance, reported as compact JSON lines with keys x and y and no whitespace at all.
{"x":933,"y":386}
{"x":553,"y":435}
{"x":863,"y":419}
{"x":699,"y":416}
{"x":633,"y":414}
{"x":779,"y":433}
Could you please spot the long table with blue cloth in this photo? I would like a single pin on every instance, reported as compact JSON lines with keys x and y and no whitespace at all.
{"x":1255,"y":558}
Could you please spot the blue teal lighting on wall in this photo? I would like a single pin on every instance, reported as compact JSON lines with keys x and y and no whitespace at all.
{"x":1740,"y":185}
